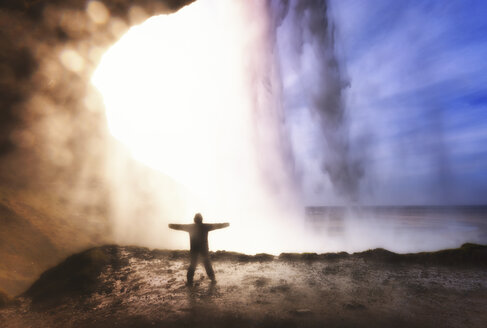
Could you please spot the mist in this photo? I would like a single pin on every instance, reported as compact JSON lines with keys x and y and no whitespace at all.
{"x":251,"y":112}
{"x":200,"y":109}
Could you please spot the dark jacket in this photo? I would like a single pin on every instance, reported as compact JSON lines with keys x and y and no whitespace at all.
{"x":198,"y":233}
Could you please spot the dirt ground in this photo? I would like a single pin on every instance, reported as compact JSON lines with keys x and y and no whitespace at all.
{"x":142,"y":288}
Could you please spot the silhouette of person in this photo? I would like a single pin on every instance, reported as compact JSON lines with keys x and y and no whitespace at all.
{"x":198,"y":237}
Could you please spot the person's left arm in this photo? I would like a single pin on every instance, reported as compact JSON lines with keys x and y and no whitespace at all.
{"x":215,"y":226}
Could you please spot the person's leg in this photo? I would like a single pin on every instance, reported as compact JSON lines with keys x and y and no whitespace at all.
{"x":192,"y":267}
{"x":208,"y":267}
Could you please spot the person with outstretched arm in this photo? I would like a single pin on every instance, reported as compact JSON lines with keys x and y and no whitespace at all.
{"x":198,"y":237}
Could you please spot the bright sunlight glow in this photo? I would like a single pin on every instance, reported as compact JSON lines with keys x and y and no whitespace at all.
{"x":172,"y":94}
{"x":178,"y":95}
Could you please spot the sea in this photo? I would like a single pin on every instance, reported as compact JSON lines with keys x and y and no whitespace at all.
{"x":401,"y":229}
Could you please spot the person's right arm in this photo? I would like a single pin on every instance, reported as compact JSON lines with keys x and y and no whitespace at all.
{"x":183,"y":227}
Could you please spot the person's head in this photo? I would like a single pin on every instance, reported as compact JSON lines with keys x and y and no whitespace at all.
{"x":198,"y":218}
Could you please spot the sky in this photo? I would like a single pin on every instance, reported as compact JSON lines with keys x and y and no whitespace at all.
{"x":414,"y":99}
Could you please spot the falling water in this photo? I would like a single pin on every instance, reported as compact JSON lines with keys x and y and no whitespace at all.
{"x":313,"y":87}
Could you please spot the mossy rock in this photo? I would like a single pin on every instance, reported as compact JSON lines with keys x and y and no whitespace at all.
{"x":468,"y":255}
{"x":78,"y":275}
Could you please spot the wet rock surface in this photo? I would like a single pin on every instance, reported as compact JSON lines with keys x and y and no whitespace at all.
{"x":113,"y":286}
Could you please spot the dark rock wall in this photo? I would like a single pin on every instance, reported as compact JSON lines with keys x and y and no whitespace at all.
{"x":53,"y":132}
{"x":50,"y":114}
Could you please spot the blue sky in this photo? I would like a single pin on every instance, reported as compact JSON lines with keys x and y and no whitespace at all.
{"x":417,"y":101}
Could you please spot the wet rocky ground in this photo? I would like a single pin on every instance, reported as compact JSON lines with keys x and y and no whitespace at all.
{"x":114,"y":286}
